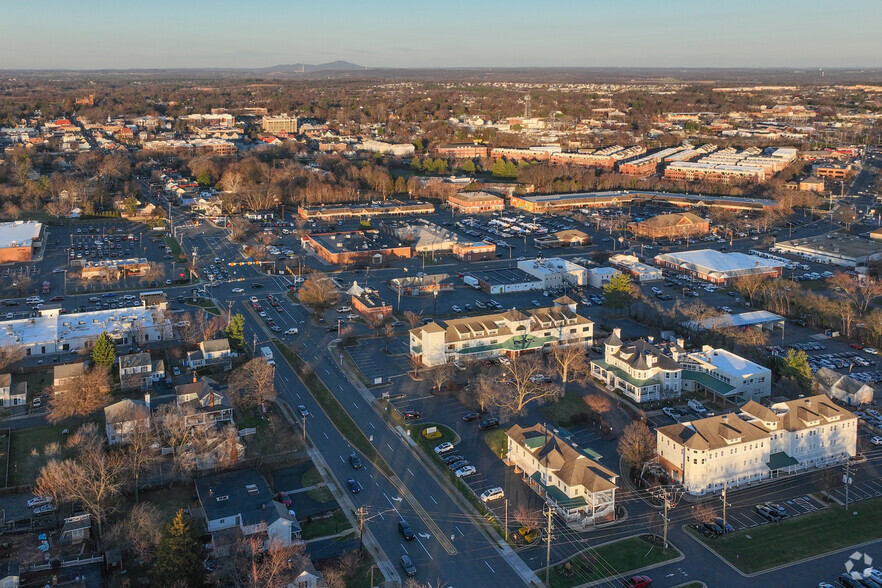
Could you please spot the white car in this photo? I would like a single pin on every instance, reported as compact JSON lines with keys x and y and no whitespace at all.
{"x":504,"y":360}
{"x":492,"y":494}
{"x":129,"y":297}
{"x":39,"y":501}
{"x":455,"y":308}
{"x":344,"y":309}
{"x":46,"y":508}
{"x":876,"y":440}
{"x":254,"y":299}
{"x":466,"y":471}
{"x":238,"y":290}
{"x":291,"y":331}
{"x":444,"y":447}
{"x":871,"y":350}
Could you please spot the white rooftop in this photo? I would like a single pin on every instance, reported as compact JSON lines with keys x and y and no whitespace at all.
{"x":728,"y":362}
{"x":19,"y":233}
{"x":709,"y":261}
{"x":552,"y":265}
{"x":49,"y":326}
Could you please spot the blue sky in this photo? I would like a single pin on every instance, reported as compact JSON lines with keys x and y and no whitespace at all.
{"x":87,"y":34}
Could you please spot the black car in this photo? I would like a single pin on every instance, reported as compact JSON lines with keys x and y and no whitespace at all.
{"x":355,"y":461}
{"x":406,"y":531}
{"x":257,"y":285}
{"x":488,"y":423}
{"x":330,"y":329}
{"x":458,"y":464}
{"x":472,"y":416}
{"x":407,"y":565}
{"x":848,"y":582}
{"x":726,"y":527}
{"x":449,"y":459}
{"x":412,"y":415}
{"x":713,"y":528}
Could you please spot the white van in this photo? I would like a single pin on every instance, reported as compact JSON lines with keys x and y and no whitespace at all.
{"x":697,"y":407}
{"x":492,"y":494}
{"x":291,"y":331}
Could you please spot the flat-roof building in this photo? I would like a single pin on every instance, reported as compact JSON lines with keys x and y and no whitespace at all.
{"x":279,"y":123}
{"x":18,"y":239}
{"x":718,"y":267}
{"x":462,"y":150}
{"x":725,"y":375}
{"x":600,"y":276}
{"x":475,"y":202}
{"x":357,"y":247}
{"x":838,"y":249}
{"x":555,"y":272}
{"x":357,"y":210}
{"x":505,"y":280}
{"x":558,"y":202}
{"x":640,"y":271}
{"x":671,"y":226}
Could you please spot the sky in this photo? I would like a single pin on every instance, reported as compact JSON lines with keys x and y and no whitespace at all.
{"x":99,"y":34}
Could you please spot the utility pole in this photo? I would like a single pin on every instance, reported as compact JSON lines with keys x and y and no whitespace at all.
{"x":229,"y":313}
{"x":254,"y":344}
{"x":360,"y":528}
{"x":847,"y":479}
{"x":304,"y":428}
{"x":506,"y":519}
{"x":548,"y":545}
{"x":725,"y":504}
{"x":670,"y":496}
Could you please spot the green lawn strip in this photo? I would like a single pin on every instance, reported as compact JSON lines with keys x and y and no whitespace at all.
{"x":310,"y":477}
{"x":334,"y":409}
{"x":428,"y":445}
{"x":562,"y":412}
{"x":497,"y":441}
{"x":772,"y":545}
{"x":24,"y":466}
{"x":4,"y":459}
{"x":360,"y":577}
{"x":609,"y":560}
{"x":320,"y":494}
{"x":336,"y":523}
{"x":174,"y":246}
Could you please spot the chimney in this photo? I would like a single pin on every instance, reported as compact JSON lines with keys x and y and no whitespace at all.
{"x":808,"y":402}
{"x":650,"y":340}
{"x":194,"y":377}
{"x":725,"y":418}
{"x":681,"y":342}
{"x":617,"y":332}
{"x":147,"y":400}
{"x":211,"y":398}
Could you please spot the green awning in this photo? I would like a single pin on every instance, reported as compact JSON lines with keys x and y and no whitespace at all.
{"x":558,"y":495}
{"x":780,"y":460}
{"x":516,"y":343}
{"x":708,"y":381}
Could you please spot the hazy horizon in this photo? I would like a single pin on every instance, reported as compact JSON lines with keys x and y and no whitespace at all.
{"x":98,"y":34}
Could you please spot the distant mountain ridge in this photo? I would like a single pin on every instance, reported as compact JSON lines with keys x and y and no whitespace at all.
{"x":311,"y":68}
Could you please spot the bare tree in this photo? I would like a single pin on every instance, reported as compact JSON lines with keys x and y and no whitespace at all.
{"x":252,"y":566}
{"x":10,"y":355}
{"x":569,"y":361}
{"x":388,"y":334}
{"x":440,"y":374}
{"x":139,"y":532}
{"x":141,"y":445}
{"x":92,"y":478}
{"x":637,"y":444}
{"x":487,"y":391}
{"x":860,"y":292}
{"x":599,"y":403}
{"x":152,"y":272}
{"x":176,"y":425}
{"x":416,"y":363}
{"x":704,"y":513}
{"x":253,"y":384}
{"x":525,"y":387}
{"x":318,"y":292}
{"x":529,"y":518}
{"x":412,"y":318}
{"x":83,"y":396}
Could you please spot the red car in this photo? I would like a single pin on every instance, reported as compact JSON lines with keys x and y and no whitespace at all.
{"x":283,"y":498}
{"x":857,"y":346}
{"x":637,"y":582}
{"x":56,"y":299}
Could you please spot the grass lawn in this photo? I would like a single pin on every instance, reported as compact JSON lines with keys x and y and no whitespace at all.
{"x":334,"y":409}
{"x":37,"y":382}
{"x":206,"y":305}
{"x":447,"y":434}
{"x":497,"y":441}
{"x":174,"y":246}
{"x":167,"y":500}
{"x":561,"y":412}
{"x":320,"y":494}
{"x":361,"y":575}
{"x":771,"y":545}
{"x":26,"y":445}
{"x":336,"y":523}
{"x":625,"y":555}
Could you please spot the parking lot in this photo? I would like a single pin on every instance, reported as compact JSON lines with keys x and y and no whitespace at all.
{"x":374,"y":363}
{"x":747,"y":517}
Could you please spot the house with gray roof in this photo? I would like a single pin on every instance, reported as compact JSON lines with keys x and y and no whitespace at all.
{"x":215,"y":352}
{"x":139,"y":371}
{"x":642,"y":371}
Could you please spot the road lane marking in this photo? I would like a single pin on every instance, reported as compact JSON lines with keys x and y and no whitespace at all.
{"x":326,"y":436}
{"x":410,"y":472}
{"x":460,"y":530}
{"x":424,"y":548}
{"x":491,"y":569}
{"x":341,"y":458}
{"x":390,"y":447}
{"x":372,"y":425}
{"x":433,"y":499}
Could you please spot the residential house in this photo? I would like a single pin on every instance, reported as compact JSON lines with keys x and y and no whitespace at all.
{"x":12,"y":393}
{"x":238,"y":505}
{"x":64,"y":375}
{"x":638,"y":368}
{"x":10,"y":574}
{"x":309,"y":578}
{"x":215,"y":352}
{"x":510,"y":333}
{"x":76,"y":529}
{"x":581,"y":490}
{"x":137,"y":370}
{"x":761,"y":442}
{"x":210,"y":406}
{"x":125,"y":416}
{"x":842,"y":387}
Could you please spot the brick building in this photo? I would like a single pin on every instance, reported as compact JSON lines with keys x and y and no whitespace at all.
{"x":18,"y":239}
{"x":357,"y":247}
{"x":479,"y":250}
{"x":371,"y":307}
{"x":475,"y":202}
{"x":462,"y":150}
{"x":670,"y":226}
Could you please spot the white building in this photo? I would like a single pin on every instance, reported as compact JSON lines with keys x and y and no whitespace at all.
{"x":600,"y":276}
{"x":123,"y":417}
{"x":718,"y":267}
{"x":510,"y":333}
{"x":399,"y":149}
{"x":639,"y":369}
{"x":212,"y":352}
{"x":12,"y":393}
{"x":52,"y":332}
{"x":761,"y":442}
{"x":640,"y":271}
{"x":842,"y":387}
{"x":138,"y":370}
{"x":725,"y":374}
{"x":555,"y":272}
{"x":581,"y":490}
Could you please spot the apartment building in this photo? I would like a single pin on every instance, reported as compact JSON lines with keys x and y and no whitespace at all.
{"x":517,"y":154}
{"x":725,"y":375}
{"x":475,"y":202}
{"x":581,"y":490}
{"x":759,"y":443}
{"x":638,"y":368}
{"x":279,"y":123}
{"x":510,"y":333}
{"x":462,"y":150}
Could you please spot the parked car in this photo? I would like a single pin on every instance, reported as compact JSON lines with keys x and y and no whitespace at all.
{"x":466,"y":471}
{"x":726,"y":527}
{"x":176,"y":370}
{"x":637,"y":582}
{"x":355,"y":461}
{"x":238,"y":290}
{"x":472,"y":416}
{"x":458,"y":464}
{"x":407,"y":565}
{"x":776,"y":508}
{"x":283,"y":498}
{"x":46,"y":508}
{"x":876,"y":440}
{"x":39,"y":501}
{"x":488,"y":423}
{"x":444,"y":448}
{"x":767,"y":513}
{"x":492,"y":494}
{"x":354,"y":486}
{"x":713,"y":528}
{"x":847,"y":581}
{"x":449,"y":459}
{"x":406,"y":531}
{"x":412,"y":415}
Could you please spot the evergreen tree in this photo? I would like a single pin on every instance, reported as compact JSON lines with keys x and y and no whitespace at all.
{"x":498,"y":169}
{"x":511,"y":170}
{"x":178,"y":555}
{"x":468,"y":166}
{"x":441,"y":165}
{"x":400,"y":185}
{"x":617,"y":292}
{"x":795,"y":365}
{"x":204,"y":178}
{"x":416,"y":165}
{"x":104,"y":352}
{"x":236,"y":330}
